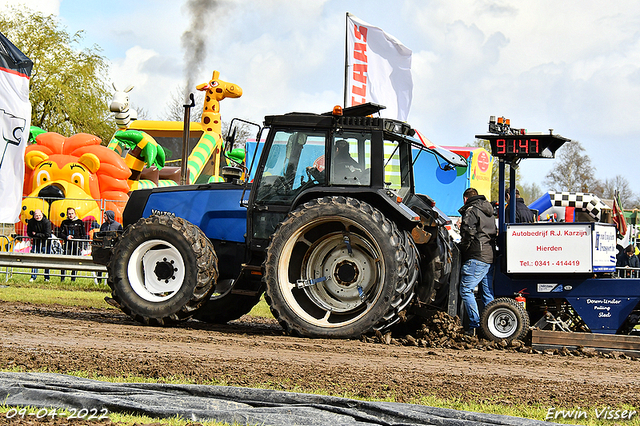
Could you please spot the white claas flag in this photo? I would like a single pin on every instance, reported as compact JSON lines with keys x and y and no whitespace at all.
{"x":379,"y":69}
{"x":15,"y":121}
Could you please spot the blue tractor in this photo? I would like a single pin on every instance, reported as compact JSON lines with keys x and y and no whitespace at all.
{"x":328,"y":227}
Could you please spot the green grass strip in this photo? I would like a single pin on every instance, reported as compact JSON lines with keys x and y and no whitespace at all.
{"x":85,"y":298}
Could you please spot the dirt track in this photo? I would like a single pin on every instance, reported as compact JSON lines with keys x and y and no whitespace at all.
{"x":257,"y":354}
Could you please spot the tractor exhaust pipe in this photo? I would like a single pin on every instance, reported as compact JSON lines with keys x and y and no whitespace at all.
{"x":184,"y":179}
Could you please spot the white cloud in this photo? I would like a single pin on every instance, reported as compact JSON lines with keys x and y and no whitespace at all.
{"x":573,"y":66}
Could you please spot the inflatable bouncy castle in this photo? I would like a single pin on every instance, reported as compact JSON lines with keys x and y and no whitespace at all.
{"x":73,"y":172}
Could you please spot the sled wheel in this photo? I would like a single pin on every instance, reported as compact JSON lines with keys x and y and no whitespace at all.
{"x":336,"y":267}
{"x":504,"y":319}
{"x":162,"y":269}
{"x":223,"y":306}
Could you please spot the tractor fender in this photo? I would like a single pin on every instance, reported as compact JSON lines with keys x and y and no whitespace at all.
{"x":381,"y":199}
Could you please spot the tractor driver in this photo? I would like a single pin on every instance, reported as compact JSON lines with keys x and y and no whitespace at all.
{"x":344,"y":166}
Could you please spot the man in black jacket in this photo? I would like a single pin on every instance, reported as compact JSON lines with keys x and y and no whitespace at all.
{"x":39,"y":229}
{"x":71,"y":230}
{"x":523,"y":213}
{"x":478,"y":232}
{"x":110,"y":224}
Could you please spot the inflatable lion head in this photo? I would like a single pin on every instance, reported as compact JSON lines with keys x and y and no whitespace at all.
{"x":73,"y":172}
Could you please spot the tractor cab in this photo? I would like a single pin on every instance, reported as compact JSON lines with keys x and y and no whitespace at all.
{"x":340,"y":152}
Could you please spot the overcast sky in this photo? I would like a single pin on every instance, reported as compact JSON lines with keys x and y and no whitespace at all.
{"x":573,"y":66}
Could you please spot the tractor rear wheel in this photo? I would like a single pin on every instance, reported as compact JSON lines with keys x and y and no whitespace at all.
{"x":504,"y":319}
{"x":337,"y":268}
{"x":162,"y":270}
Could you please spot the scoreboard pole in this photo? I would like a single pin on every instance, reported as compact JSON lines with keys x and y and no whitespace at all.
{"x":501,"y":197}
{"x":512,"y":194}
{"x":502,"y":193}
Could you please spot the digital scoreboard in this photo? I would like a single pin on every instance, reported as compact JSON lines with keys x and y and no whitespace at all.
{"x":510,"y":146}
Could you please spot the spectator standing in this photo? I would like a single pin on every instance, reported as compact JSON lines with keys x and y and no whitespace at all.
{"x":72,"y":233}
{"x":478,"y":232}
{"x":39,"y":230}
{"x":628,"y":259}
{"x":633,"y":260}
{"x":109,"y":224}
{"x":523,"y":213}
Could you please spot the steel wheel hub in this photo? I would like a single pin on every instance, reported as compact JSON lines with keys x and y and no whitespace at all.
{"x":156,"y":270}
{"x":164,"y":270}
{"x":502,"y":323}
{"x":346,"y":273}
{"x":351,"y":272}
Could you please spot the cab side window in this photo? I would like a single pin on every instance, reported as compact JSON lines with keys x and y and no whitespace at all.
{"x":397,"y":166}
{"x":351,"y":159}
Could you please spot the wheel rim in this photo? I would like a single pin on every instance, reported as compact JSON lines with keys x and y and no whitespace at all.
{"x":156,"y":270}
{"x":347,"y":264}
{"x":503,"y":323}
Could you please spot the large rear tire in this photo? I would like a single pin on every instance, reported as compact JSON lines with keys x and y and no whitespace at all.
{"x":504,"y":319}
{"x":162,"y":270}
{"x":337,"y":268}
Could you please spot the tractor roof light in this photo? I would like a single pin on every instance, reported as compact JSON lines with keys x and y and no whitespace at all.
{"x":391,"y":126}
{"x":399,"y":128}
{"x":337,"y":110}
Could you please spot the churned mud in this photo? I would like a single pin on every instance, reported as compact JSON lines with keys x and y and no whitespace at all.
{"x":255,"y":353}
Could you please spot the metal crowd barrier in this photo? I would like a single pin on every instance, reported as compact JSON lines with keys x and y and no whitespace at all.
{"x":21,"y":264}
{"x":626,"y":272}
{"x":16,"y":248}
{"x":53,"y":245}
{"x":19,"y":259}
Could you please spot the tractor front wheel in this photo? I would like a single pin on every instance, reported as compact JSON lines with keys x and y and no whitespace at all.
{"x":162,"y":270}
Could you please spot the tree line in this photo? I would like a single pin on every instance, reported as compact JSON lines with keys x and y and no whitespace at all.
{"x":574,"y":172}
{"x":69,"y":88}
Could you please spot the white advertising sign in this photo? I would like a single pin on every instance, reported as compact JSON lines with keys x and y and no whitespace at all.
{"x":604,"y":247}
{"x":549,"y":248}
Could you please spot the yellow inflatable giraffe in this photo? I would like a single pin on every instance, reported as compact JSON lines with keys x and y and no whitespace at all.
{"x":208,"y":153}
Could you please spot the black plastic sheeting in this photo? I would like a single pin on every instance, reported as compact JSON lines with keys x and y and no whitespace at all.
{"x":244,"y":406}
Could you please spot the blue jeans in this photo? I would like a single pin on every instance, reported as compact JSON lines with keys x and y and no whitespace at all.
{"x":43,"y":248}
{"x":475,"y":272}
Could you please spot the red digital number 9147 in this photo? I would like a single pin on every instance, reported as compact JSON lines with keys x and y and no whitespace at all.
{"x":516,"y":146}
